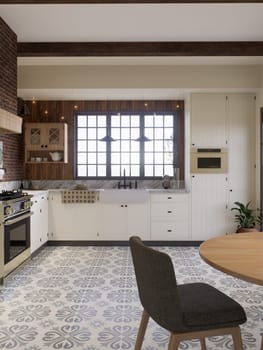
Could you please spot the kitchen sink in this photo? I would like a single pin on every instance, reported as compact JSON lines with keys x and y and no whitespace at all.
{"x":124,"y":195}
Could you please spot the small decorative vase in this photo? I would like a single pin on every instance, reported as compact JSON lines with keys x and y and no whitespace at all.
{"x":166,"y":183}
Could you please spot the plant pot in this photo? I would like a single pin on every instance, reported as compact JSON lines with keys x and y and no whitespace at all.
{"x":246,"y":229}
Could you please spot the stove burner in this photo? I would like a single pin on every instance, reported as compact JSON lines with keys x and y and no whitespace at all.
{"x":6,"y":195}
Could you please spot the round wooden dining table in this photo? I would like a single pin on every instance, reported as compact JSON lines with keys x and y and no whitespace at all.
{"x":239,"y":254}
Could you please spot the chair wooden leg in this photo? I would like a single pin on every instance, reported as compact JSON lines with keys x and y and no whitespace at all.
{"x":203,"y":344}
{"x":237,"y":340}
{"x":141,"y":331}
{"x":176,"y":338}
{"x":261,"y":348}
{"x":174,"y":342}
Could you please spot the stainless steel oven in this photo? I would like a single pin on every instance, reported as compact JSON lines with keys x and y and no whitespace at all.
{"x":16,"y":236}
{"x":15,"y":212}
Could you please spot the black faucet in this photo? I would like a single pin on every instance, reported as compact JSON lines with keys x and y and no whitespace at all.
{"x":124,"y":178}
{"x":124,"y":185}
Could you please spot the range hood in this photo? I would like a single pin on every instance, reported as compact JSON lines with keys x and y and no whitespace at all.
{"x":10,"y":123}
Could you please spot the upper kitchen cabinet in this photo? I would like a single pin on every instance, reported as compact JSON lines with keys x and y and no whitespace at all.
{"x":208,"y":120}
{"x":46,"y":142}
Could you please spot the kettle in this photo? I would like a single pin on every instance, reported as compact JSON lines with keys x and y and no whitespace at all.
{"x":55,"y":156}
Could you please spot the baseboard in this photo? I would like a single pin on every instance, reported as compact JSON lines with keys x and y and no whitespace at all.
{"x":125,"y":243}
{"x":36,"y":252}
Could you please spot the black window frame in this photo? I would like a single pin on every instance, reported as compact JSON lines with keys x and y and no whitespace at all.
{"x":178,"y":145}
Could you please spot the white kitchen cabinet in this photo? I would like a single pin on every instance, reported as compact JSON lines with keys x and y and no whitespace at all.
{"x":208,"y":192}
{"x":39,"y":220}
{"x":241,"y":154}
{"x":122,"y":220}
{"x":76,"y":221}
{"x":170,"y":216}
{"x":208,"y":120}
{"x":96,"y":221}
{"x":223,"y":120}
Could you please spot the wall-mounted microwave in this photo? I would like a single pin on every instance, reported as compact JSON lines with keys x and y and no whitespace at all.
{"x":208,"y":160}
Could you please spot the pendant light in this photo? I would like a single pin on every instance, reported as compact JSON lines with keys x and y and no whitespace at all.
{"x":107,"y":138}
{"x":24,"y":112}
{"x":142,"y":138}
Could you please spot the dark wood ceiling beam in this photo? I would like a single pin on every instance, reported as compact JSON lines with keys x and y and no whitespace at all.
{"x":126,"y":49}
{"x":124,"y":1}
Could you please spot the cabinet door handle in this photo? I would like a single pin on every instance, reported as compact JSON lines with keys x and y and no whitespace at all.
{"x":122,"y":205}
{"x":169,"y":197}
{"x":126,"y":205}
{"x":169,"y":230}
{"x":169,"y":211}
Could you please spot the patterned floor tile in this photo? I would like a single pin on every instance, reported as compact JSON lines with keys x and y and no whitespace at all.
{"x":86,"y":298}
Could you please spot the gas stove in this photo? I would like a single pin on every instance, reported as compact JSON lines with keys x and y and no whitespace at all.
{"x":15,"y":213}
{"x":14,"y":202}
{"x":13,"y":194}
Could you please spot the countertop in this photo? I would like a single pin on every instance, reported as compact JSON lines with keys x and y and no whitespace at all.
{"x":153,"y":190}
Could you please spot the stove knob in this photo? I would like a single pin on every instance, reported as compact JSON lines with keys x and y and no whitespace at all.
{"x":8,"y":210}
{"x":25,"y":205}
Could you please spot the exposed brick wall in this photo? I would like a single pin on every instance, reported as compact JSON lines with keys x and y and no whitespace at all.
{"x":8,"y":68}
{"x":13,"y":144}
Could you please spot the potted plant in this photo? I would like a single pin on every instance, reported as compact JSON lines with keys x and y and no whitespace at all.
{"x":246,"y":217}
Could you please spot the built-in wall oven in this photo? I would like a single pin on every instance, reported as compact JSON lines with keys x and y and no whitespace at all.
{"x":209,"y":160}
{"x":15,"y":212}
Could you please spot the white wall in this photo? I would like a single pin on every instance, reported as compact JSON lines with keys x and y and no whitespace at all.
{"x":259,"y":105}
{"x":143,"y":77}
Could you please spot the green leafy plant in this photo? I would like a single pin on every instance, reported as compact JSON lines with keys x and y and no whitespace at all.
{"x":246,"y":217}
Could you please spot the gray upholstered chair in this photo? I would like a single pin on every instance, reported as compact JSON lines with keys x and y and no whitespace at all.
{"x":188,"y":311}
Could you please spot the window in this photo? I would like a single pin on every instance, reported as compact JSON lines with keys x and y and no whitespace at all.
{"x":143,"y":145}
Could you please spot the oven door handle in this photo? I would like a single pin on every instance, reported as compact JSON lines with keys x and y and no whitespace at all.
{"x":13,"y":221}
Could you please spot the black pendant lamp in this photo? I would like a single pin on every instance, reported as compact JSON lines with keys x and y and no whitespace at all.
{"x":24,"y":111}
{"x":142,"y":138}
{"x":107,"y":138}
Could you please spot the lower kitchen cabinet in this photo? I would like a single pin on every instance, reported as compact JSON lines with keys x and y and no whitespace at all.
{"x":208,"y":205}
{"x":72,"y":222}
{"x":166,"y":216}
{"x":170,"y":216}
{"x":39,"y":220}
{"x":96,"y":221}
{"x":122,"y":220}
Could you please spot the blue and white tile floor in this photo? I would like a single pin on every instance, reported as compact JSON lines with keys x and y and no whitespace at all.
{"x":86,"y":298}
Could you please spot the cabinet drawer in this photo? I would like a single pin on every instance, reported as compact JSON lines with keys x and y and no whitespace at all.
{"x":169,"y":212}
{"x":169,"y":197}
{"x":174,"y":231}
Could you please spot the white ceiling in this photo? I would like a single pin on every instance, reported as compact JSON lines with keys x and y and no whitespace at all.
{"x":133,"y":22}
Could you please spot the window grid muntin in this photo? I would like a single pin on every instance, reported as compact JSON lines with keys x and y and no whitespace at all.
{"x":156,"y":126}
{"x":127,"y":123}
{"x":141,"y":152}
